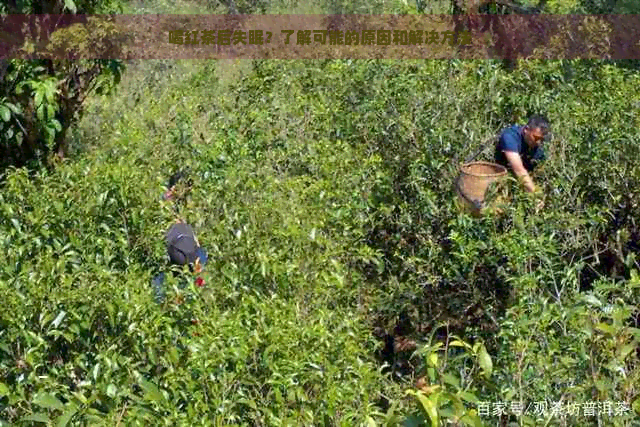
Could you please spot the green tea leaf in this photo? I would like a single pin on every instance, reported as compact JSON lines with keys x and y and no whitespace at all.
{"x":485,"y":361}
{"x":451,"y":380}
{"x":39,"y":418}
{"x":592,"y":300}
{"x":624,"y":351}
{"x":48,"y":401}
{"x":64,"y":419}
{"x":458,"y":343}
{"x":38,"y":98}
{"x":111,"y":390}
{"x":5,"y":113}
{"x":472,"y":419}
{"x":468,"y":396}
{"x":152,"y":392}
{"x":603,"y":327}
{"x":430,"y":409}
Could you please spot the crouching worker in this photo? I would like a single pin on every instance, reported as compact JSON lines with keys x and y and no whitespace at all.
{"x":520,"y":149}
{"x":183,"y":249}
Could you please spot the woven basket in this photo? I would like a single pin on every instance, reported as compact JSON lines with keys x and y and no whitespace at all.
{"x":473,"y":180}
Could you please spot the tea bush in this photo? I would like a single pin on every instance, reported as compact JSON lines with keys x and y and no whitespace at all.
{"x":84,"y":342}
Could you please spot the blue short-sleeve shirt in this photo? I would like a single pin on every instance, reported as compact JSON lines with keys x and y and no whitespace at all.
{"x":512,"y":139}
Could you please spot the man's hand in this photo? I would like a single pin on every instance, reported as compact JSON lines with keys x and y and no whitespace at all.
{"x":539,"y":195}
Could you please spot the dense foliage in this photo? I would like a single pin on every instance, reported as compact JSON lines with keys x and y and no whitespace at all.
{"x":345,"y":286}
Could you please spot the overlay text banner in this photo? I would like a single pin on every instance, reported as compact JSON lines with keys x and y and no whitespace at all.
{"x":319,"y":36}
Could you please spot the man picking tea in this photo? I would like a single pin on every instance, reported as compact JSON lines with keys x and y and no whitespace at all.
{"x":519,"y":148}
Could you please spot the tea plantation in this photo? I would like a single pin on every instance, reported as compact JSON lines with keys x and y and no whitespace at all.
{"x":344,"y":286}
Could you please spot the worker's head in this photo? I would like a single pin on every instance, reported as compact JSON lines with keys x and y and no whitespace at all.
{"x":536,"y":130}
{"x":179,"y":184}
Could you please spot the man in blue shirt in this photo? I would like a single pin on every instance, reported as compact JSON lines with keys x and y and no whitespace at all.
{"x":520,"y":148}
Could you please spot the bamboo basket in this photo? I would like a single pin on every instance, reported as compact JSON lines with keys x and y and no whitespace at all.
{"x":472,"y":183}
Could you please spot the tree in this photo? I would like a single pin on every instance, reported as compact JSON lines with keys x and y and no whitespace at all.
{"x":40,"y":99}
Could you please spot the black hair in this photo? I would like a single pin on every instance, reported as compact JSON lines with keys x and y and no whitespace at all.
{"x":539,"y":122}
{"x":179,"y":176}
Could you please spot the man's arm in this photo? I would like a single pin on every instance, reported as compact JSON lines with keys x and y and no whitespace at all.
{"x":520,"y":171}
